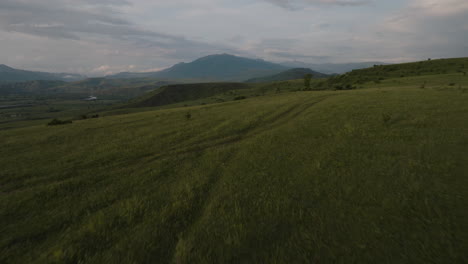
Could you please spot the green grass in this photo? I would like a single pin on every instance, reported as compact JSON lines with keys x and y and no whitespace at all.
{"x":42,"y":110}
{"x":373,"y":175}
{"x":379,"y":73}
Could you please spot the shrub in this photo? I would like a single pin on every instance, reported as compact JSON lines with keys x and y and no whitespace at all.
{"x":307,"y":79}
{"x":57,"y":122}
{"x":240,"y":98}
{"x":53,"y":110}
{"x":386,"y":118}
{"x":188,"y":116}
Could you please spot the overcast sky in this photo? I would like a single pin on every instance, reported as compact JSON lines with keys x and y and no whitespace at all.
{"x":97,"y":37}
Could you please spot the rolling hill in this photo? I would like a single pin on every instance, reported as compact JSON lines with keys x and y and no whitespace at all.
{"x":116,"y":88}
{"x":223,"y":67}
{"x":9,"y":75}
{"x":378,"y":73}
{"x":371,"y":175}
{"x":333,"y":68}
{"x":184,"y":92}
{"x":30,"y":87}
{"x":291,"y":74}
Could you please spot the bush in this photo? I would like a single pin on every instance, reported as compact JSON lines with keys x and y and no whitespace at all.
{"x":240,"y":98}
{"x":53,"y":110}
{"x":386,"y":118}
{"x":57,"y":122}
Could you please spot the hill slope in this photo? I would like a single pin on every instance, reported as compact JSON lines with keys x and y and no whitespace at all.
{"x":291,"y":74}
{"x":222,"y":67}
{"x":184,"y":92}
{"x":8,"y":74}
{"x":332,"y":68}
{"x":291,"y":178}
{"x":122,"y":88}
{"x":381,"y":72}
{"x":30,"y":87}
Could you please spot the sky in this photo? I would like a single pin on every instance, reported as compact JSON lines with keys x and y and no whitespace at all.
{"x":100,"y":37}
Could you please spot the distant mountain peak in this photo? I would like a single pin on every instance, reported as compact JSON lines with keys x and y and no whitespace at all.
{"x":4,"y":67}
{"x":8,"y":74}
{"x":216,"y":67}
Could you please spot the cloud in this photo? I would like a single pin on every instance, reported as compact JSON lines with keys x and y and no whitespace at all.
{"x":293,"y":4}
{"x":93,"y":21}
{"x":432,"y":28}
{"x":296,"y":56}
{"x":83,"y":35}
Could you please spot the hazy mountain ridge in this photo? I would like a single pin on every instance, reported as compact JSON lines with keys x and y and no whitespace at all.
{"x":220,"y":67}
{"x":10,"y":75}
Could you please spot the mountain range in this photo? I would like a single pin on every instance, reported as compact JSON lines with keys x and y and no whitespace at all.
{"x":220,"y":67}
{"x":212,"y":68}
{"x":11,"y":75}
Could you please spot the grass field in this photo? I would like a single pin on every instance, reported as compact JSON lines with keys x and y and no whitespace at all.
{"x":375,"y":175}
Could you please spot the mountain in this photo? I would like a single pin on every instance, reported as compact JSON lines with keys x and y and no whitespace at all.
{"x":10,"y":75}
{"x":222,"y":67}
{"x":331,"y":68}
{"x":292,"y":74}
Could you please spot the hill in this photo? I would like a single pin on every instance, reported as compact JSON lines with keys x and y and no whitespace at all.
{"x":8,"y":75}
{"x":184,"y":92}
{"x":378,"y":73}
{"x":121,"y":88}
{"x":223,"y":67}
{"x":372,"y":175}
{"x":333,"y":68}
{"x":30,"y":87}
{"x":284,"y":178}
{"x":291,"y":74}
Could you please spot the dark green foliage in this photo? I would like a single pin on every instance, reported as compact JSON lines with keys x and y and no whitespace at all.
{"x":240,"y":98}
{"x":292,"y":74}
{"x":386,"y":118}
{"x":185,"y":92}
{"x":307,"y":79}
{"x":57,"y":122}
{"x":188,"y":115}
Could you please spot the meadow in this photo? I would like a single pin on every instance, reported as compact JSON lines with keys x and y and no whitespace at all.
{"x":372,"y":175}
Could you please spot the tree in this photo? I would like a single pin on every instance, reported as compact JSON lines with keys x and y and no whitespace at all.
{"x":307,"y":79}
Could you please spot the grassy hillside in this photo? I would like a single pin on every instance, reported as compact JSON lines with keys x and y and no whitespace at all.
{"x":379,"y":73}
{"x":292,"y":74}
{"x":184,"y":92}
{"x":374,"y":175}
